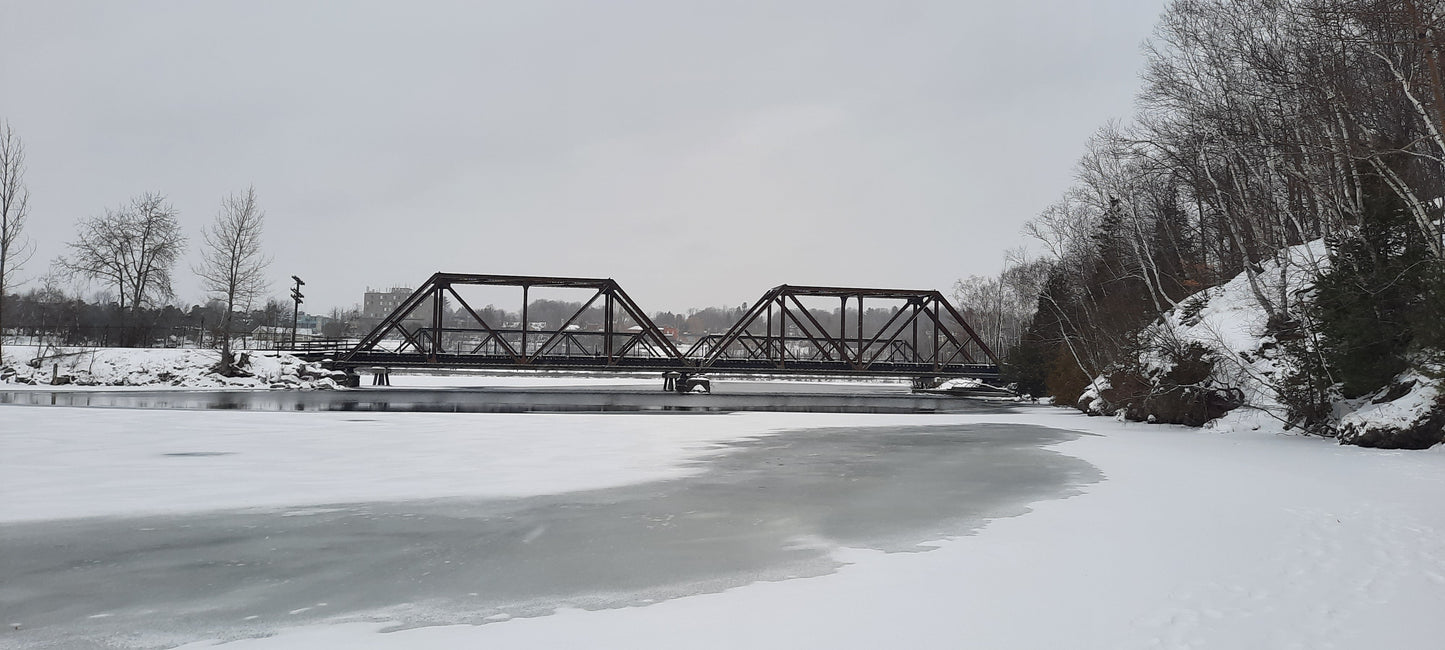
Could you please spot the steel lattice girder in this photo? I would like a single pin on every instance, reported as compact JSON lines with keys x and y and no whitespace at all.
{"x":428,"y":340}
{"x":920,"y":305}
{"x":813,"y":349}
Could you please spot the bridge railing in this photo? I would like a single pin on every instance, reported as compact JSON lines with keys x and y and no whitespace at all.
{"x":314,"y":347}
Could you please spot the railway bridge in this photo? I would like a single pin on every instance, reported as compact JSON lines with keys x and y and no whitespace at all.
{"x":790,"y":330}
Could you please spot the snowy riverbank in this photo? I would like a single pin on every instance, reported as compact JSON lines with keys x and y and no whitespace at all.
{"x":1193,"y":539}
{"x":1244,"y":368}
{"x":159,"y":367}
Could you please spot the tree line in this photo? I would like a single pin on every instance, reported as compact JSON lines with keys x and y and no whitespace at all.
{"x":133,"y":250}
{"x":1261,"y":125}
{"x":50,"y":316}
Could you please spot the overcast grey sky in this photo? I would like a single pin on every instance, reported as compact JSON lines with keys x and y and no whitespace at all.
{"x":699,"y":153}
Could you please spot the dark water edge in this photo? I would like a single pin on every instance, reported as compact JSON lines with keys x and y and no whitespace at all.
{"x":741,"y":397}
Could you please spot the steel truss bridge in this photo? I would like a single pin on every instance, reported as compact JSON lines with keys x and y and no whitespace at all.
{"x":786,"y":332}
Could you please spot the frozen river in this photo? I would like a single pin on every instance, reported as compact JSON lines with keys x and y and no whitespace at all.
{"x":761,"y":508}
{"x":727,"y":396}
{"x":390,"y":530}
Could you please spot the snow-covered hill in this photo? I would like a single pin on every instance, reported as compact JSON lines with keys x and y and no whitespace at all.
{"x":1228,"y":326}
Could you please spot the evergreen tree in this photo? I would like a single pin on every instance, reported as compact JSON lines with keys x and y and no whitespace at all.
{"x":1379,"y":302}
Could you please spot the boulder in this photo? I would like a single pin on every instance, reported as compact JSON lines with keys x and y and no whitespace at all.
{"x":1408,"y":414}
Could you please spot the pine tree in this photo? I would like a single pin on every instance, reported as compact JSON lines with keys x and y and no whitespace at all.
{"x":1375,"y":304}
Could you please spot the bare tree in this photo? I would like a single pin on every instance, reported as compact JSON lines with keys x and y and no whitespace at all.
{"x":233,"y":267}
{"x":273,"y":314}
{"x":340,"y":321}
{"x":1262,"y":125}
{"x":14,"y":203}
{"x":132,"y":248}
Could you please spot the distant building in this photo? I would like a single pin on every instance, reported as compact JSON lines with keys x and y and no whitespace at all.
{"x":309,"y":321}
{"x":378,"y":304}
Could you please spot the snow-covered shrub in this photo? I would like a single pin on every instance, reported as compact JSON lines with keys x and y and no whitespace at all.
{"x":1173,"y":383}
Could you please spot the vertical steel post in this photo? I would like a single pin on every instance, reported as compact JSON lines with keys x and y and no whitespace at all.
{"x":860,"y":328}
{"x":436,"y":309}
{"x":607,"y":327}
{"x":525,"y":354}
{"x":937,"y":353}
{"x":768,"y":338}
{"x":782,"y":333}
{"x":914,"y":304}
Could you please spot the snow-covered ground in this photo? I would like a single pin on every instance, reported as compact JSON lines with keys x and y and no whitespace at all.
{"x":1194,"y":539}
{"x":95,"y":368}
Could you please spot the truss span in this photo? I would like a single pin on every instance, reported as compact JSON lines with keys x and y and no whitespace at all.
{"x":809,"y":330}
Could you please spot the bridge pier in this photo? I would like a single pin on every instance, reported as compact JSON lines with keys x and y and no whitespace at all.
{"x":381,"y":376}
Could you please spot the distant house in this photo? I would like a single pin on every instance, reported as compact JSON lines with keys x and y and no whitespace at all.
{"x":669,"y":332}
{"x":532,"y":325}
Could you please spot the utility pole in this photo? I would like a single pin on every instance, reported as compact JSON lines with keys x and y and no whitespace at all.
{"x":296,"y":309}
